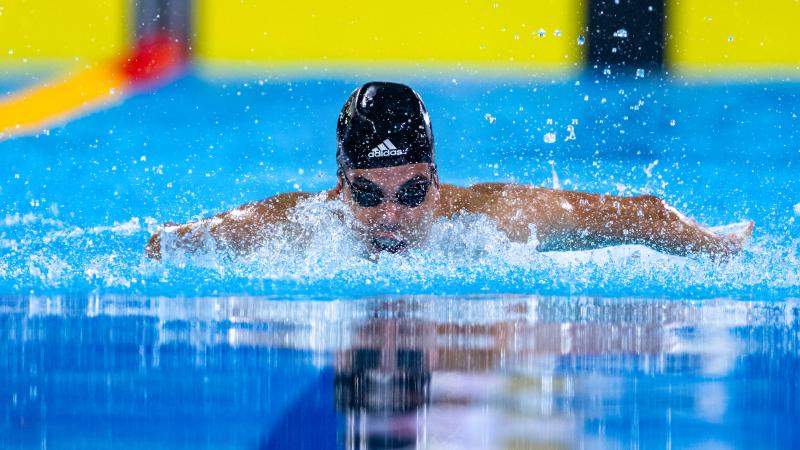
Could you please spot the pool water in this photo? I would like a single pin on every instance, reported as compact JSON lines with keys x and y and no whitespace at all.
{"x":470,"y":342}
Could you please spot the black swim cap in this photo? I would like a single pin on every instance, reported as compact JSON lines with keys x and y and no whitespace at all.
{"x":383,"y":125}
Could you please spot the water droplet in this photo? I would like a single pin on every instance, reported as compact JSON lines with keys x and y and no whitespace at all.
{"x":672,"y":123}
{"x":639,"y":73}
{"x":571,"y":135}
{"x":581,"y":40}
{"x":541,"y":32}
{"x":549,"y":138}
{"x":730,"y":38}
{"x":557,"y":33}
{"x":622,"y":33}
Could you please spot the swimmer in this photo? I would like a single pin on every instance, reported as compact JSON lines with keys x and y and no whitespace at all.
{"x":387,"y":176}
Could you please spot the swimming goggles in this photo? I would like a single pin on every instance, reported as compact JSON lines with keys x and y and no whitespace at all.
{"x":368,"y":195}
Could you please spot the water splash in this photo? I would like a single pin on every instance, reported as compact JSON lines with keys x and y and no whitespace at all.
{"x":317,"y":254}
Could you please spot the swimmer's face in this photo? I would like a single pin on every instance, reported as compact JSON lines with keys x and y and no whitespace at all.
{"x":393,"y":223}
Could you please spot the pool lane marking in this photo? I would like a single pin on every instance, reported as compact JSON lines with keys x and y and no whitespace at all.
{"x":154,"y":60}
{"x":33,"y":110}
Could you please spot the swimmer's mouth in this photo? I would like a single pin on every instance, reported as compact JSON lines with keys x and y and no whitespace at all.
{"x":389,"y":245}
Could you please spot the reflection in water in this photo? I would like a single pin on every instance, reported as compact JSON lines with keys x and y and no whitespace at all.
{"x":412,"y":372}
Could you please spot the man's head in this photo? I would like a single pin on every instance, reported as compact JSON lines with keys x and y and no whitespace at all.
{"x":387,"y":171}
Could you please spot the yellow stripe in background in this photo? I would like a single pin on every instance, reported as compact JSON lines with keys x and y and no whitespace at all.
{"x":502,"y":34}
{"x":81,"y":39}
{"x":733,"y":37}
{"x":56,"y":29}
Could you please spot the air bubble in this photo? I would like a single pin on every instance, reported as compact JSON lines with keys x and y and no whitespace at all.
{"x":490,"y":118}
{"x":541,"y":32}
{"x":730,"y":38}
{"x":549,"y":138}
{"x":672,"y":123}
{"x":581,"y":40}
{"x":622,"y":33}
{"x":639,"y":73}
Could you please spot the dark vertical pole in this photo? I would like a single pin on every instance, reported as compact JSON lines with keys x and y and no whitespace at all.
{"x":627,"y":36}
{"x":166,"y":18}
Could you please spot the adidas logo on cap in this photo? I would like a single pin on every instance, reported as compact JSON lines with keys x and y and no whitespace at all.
{"x":386,"y":148}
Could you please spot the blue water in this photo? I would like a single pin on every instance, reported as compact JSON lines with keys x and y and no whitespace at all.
{"x":616,"y":347}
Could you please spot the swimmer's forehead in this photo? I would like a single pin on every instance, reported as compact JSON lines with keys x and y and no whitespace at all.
{"x":392,"y":175}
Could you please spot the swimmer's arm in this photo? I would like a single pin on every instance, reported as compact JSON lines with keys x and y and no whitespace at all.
{"x":599,"y":221}
{"x":567,"y":220}
{"x":238,"y":229}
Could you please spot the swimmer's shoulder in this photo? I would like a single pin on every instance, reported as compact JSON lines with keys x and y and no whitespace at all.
{"x":482,"y":197}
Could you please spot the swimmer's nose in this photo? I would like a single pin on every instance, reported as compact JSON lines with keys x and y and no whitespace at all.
{"x":391,"y":212}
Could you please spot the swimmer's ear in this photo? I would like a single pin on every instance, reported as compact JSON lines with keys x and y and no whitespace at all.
{"x":339,"y":182}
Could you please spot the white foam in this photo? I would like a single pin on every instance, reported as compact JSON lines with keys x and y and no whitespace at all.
{"x":15,"y":219}
{"x":317,"y":248}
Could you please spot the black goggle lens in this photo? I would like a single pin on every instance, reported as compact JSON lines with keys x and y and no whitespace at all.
{"x":366,"y":194}
{"x":411,"y":194}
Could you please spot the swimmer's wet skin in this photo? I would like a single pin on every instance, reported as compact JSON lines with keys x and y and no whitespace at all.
{"x":388,"y":179}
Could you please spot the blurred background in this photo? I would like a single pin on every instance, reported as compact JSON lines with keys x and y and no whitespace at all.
{"x":688,"y":37}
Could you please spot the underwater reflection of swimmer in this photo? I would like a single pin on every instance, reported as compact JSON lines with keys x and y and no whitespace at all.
{"x":378,"y":395}
{"x":401,"y":382}
{"x":370,"y":401}
{"x":388,"y":178}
